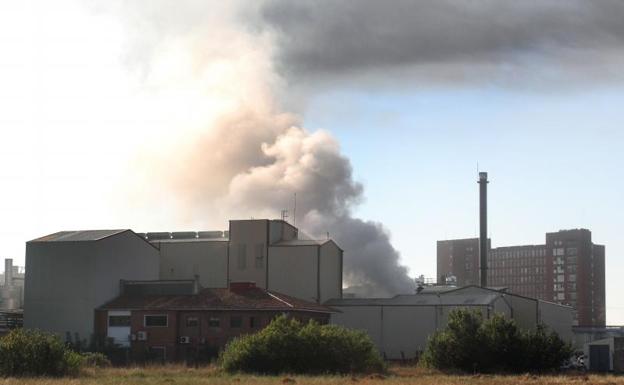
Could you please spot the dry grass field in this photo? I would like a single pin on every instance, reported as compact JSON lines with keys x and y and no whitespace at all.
{"x":398,"y":375}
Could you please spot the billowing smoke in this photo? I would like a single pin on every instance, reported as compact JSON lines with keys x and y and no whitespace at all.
{"x":246,"y":157}
{"x":448,"y":41}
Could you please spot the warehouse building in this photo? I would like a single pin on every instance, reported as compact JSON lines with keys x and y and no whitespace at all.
{"x":70,"y":273}
{"x":400,"y":326}
{"x":178,"y":320}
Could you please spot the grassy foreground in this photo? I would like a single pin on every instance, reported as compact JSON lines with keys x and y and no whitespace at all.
{"x":398,"y":375}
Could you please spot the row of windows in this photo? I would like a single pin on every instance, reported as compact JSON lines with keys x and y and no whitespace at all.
{"x":518,"y":253}
{"x":162,"y":320}
{"x":528,"y":262}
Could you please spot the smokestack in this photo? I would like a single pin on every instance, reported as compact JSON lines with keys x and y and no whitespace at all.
{"x":483,"y":182}
{"x":8,"y":272}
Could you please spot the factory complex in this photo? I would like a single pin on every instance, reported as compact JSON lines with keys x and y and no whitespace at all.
{"x":173,"y":296}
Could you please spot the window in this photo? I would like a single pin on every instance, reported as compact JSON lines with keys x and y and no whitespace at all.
{"x":253,"y":322}
{"x":242,"y":256}
{"x":572,"y":277}
{"x":558,"y":252}
{"x":192,"y":322}
{"x":155,"y":320}
{"x":572,"y":251}
{"x":259,"y":255}
{"x":118,"y":320}
{"x":236,"y":322}
{"x":214,"y":322}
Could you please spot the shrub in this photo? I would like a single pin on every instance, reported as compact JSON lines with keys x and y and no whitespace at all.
{"x":469,"y":343}
{"x":35,"y":353}
{"x":288,"y":346}
{"x":95,"y":360}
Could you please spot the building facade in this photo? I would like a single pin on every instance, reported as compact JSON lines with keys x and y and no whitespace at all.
{"x":70,"y":273}
{"x":568,"y":269}
{"x":179,"y":321}
{"x":401,"y":326}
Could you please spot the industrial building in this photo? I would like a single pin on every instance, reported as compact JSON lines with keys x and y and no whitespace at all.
{"x":88,"y":266}
{"x":174,"y":295}
{"x":178,"y":320}
{"x":400,"y":326}
{"x":568,"y":269}
{"x":605,"y":355}
{"x":12,"y":288}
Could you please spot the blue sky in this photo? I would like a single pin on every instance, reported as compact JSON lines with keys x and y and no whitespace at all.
{"x":554,"y":161}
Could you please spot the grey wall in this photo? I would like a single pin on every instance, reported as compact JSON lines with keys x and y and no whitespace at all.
{"x":330,"y":271}
{"x":66,"y":281}
{"x":293,"y":271}
{"x":397,"y":331}
{"x":558,"y":318}
{"x":184,"y":260}
{"x":246,"y":237}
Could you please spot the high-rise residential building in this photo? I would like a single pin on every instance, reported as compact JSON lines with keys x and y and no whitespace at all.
{"x":568,"y":269}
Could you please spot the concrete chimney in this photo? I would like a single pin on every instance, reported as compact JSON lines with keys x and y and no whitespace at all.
{"x":8,"y":272}
{"x":483,"y":238}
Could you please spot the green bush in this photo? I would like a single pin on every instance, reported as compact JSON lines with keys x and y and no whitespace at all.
{"x":469,"y":343}
{"x":35,"y":353}
{"x":95,"y":360}
{"x":288,"y":346}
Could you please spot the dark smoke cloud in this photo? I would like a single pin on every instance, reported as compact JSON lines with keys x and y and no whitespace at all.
{"x":448,"y":40}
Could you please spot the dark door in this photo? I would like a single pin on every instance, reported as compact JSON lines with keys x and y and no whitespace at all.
{"x":599,"y":358}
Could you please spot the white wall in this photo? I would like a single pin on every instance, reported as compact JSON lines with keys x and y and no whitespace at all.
{"x":281,"y":231}
{"x":293,"y":271}
{"x":247,"y":238}
{"x":396,"y":329}
{"x":205,"y":258}
{"x":406,"y":329}
{"x":66,"y":281}
{"x":330,"y":271}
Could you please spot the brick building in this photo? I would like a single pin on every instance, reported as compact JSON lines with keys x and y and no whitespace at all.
{"x":568,"y":269}
{"x":179,"y":321}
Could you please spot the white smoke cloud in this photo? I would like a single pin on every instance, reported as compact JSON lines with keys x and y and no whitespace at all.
{"x":231,"y":151}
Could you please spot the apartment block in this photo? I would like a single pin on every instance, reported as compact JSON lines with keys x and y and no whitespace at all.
{"x":568,"y":269}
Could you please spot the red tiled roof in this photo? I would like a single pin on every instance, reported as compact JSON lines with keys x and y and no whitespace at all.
{"x":253,"y":298}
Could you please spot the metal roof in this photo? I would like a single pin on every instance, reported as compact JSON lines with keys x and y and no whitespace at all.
{"x":79,"y":236}
{"x":252,"y":298}
{"x":419,"y":300}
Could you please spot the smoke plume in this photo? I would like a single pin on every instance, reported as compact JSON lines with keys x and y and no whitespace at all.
{"x":242,"y":156}
{"x":448,"y":41}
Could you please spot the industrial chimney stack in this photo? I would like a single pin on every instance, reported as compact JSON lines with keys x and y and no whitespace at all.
{"x":483,"y":238}
{"x":8,"y":272}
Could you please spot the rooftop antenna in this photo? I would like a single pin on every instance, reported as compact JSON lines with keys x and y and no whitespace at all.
{"x":295,"y":212}
{"x":284,"y":215}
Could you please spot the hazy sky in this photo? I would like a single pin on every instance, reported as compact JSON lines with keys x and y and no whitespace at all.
{"x":97,"y":99}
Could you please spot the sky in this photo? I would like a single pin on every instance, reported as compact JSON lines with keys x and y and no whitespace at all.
{"x":140,"y":116}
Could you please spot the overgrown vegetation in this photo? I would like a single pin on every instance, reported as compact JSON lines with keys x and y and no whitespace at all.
{"x":288,"y":346}
{"x":470,"y":343}
{"x":34,"y":353}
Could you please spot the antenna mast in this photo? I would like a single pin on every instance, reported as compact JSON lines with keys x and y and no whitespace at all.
{"x":295,"y":212}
